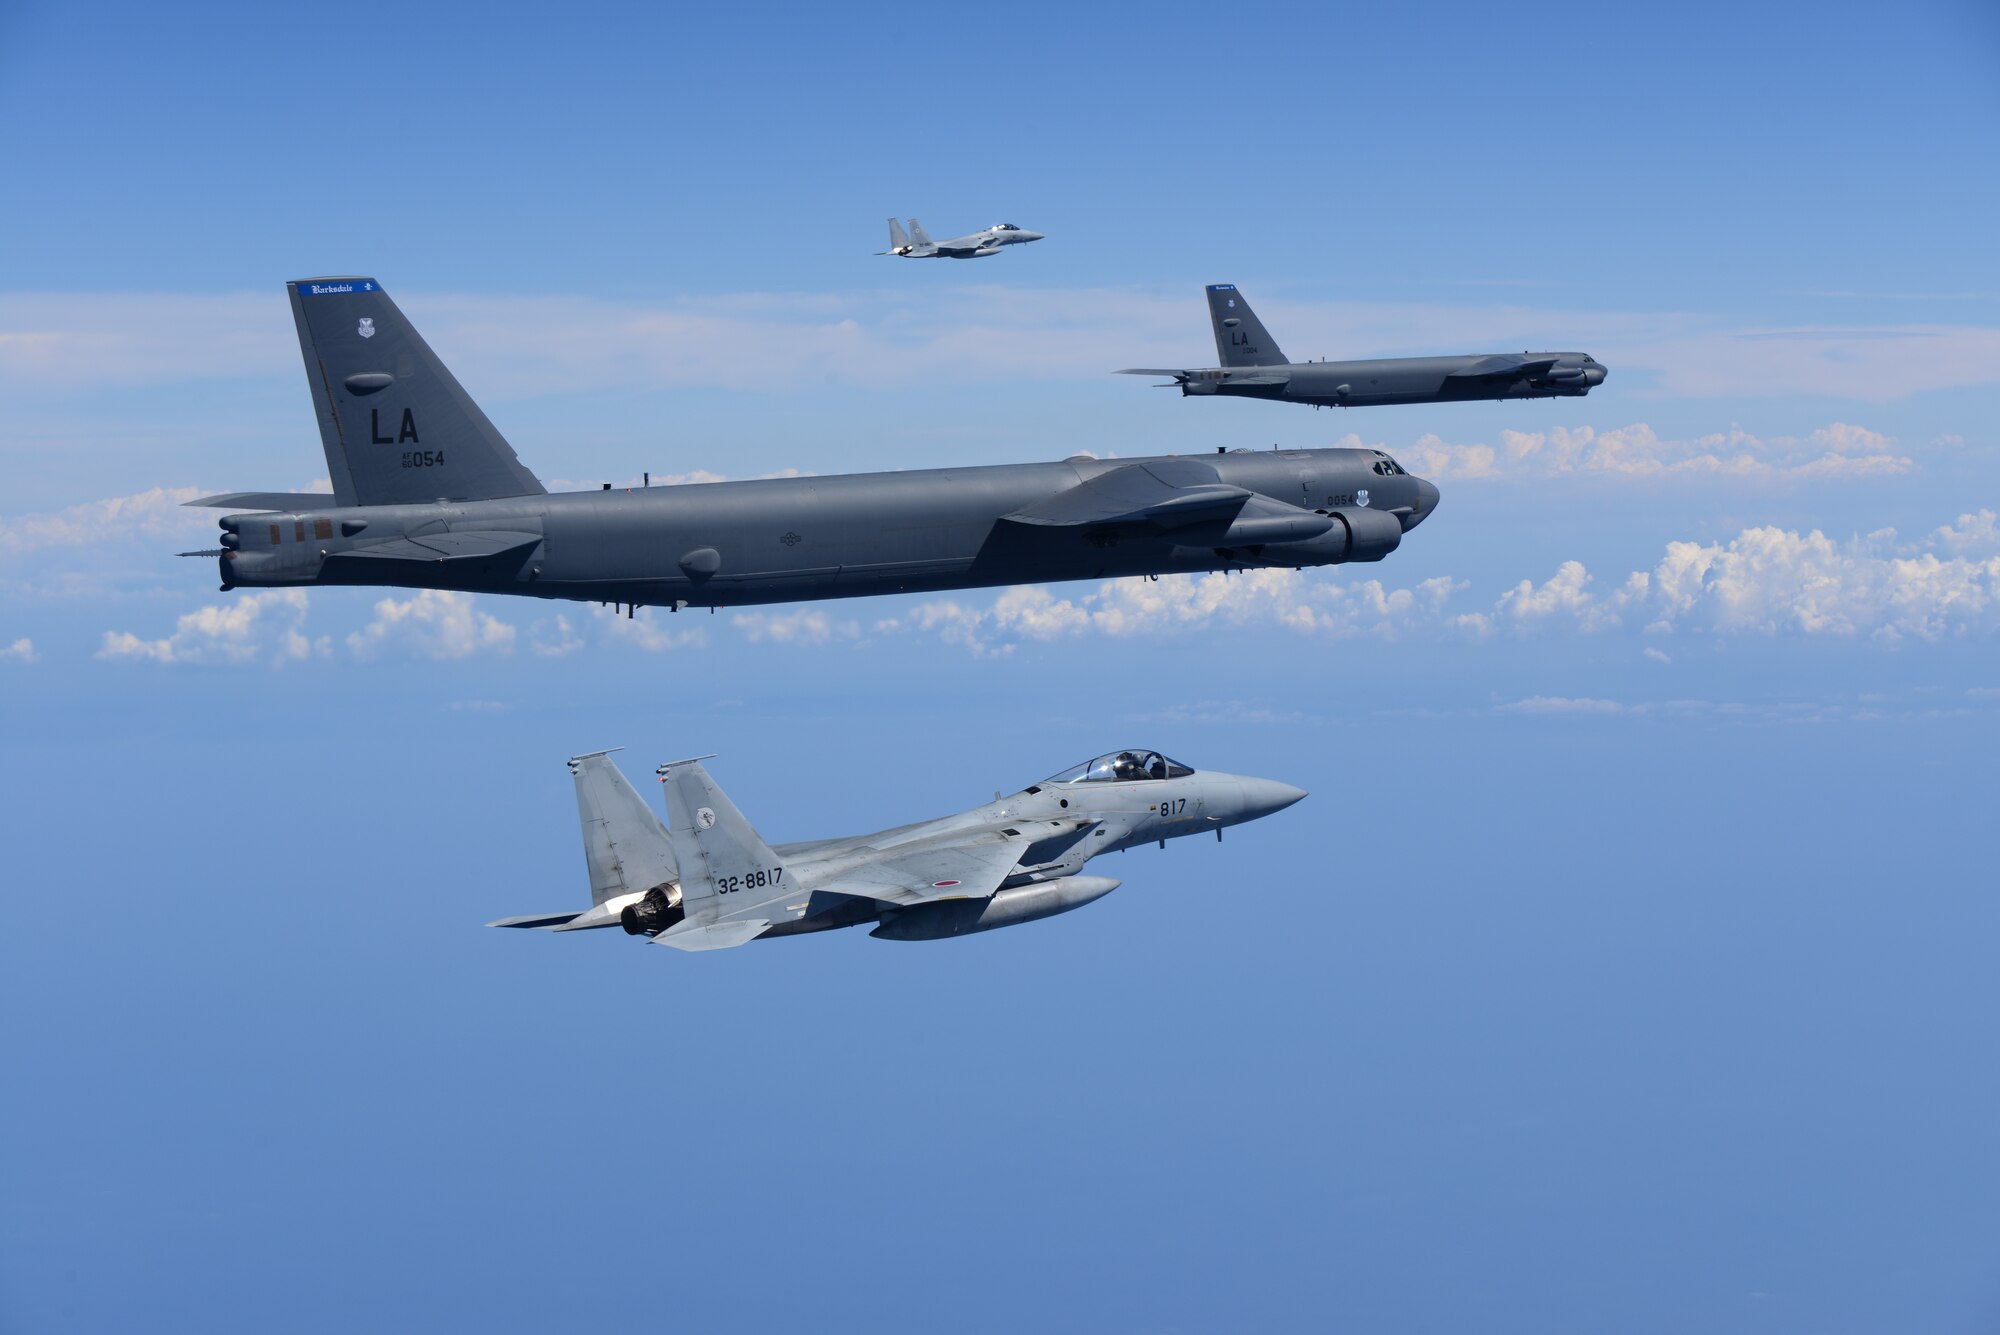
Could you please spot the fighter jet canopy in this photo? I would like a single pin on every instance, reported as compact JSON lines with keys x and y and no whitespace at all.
{"x":1005,"y":227}
{"x":1123,"y":766}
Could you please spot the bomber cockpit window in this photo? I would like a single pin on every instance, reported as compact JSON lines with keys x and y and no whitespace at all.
{"x":1388,"y":467}
{"x":1124,"y":767}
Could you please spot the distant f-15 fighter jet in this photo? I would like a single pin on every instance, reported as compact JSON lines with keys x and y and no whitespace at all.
{"x":707,"y":880}
{"x":428,"y":495}
{"x":916,"y":245}
{"x":1253,"y":367}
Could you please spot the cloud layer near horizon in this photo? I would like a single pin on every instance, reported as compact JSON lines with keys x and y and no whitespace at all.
{"x":1766,"y":581}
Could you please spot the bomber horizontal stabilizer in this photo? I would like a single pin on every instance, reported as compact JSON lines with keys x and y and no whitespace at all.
{"x":269,"y":500}
{"x":1503,"y":364}
{"x":1259,"y":378}
{"x":480,"y":544}
{"x":712,"y":936}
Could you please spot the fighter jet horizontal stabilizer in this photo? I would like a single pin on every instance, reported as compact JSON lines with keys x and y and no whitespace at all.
{"x":712,"y":936}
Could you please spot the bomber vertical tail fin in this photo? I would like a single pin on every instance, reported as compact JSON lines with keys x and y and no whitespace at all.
{"x":1240,"y":337}
{"x":396,"y":425}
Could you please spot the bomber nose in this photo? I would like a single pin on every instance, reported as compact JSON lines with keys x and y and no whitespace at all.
{"x":1261,"y":797}
{"x":1594,"y":374}
{"x":1427,"y":501}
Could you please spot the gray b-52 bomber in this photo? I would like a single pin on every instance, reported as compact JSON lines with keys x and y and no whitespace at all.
{"x":917,"y":245}
{"x":706,"y":880}
{"x":1253,"y":367}
{"x":427,"y":494}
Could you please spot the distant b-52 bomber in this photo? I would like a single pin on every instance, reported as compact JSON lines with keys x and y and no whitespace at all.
{"x":1253,"y":367}
{"x":706,"y":880}
{"x":917,"y":245}
{"x":428,"y":495}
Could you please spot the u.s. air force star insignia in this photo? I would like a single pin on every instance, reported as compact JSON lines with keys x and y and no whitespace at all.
{"x":1361,"y":498}
{"x":705,"y":818}
{"x":791,"y":539}
{"x":366,"y":328}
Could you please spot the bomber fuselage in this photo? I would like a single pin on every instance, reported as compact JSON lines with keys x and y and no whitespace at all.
{"x":806,"y":538}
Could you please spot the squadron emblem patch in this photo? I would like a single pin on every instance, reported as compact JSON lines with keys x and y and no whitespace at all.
{"x":705,"y":818}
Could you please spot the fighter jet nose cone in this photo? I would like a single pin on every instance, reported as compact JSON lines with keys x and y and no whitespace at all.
{"x":1427,"y":501}
{"x":1261,"y":797}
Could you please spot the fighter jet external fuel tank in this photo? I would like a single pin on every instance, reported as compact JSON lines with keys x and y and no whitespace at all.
{"x":706,"y":879}
{"x":428,"y":494}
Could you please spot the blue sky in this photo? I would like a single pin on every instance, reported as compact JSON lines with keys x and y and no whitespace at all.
{"x":1629,"y":967}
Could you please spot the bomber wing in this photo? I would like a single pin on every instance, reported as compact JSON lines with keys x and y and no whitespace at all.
{"x":477,"y":544}
{"x":1178,"y":494}
{"x":1505,"y":365}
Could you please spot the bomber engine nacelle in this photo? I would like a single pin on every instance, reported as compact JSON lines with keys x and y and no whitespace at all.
{"x":653,"y":914}
{"x":1357,"y":534}
{"x":961,"y":917}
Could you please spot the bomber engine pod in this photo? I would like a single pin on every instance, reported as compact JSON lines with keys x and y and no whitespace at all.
{"x":1356,"y":535}
{"x":961,"y":917}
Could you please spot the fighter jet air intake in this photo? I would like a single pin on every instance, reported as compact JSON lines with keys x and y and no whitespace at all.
{"x":428,"y":494}
{"x":917,"y":245}
{"x":706,"y":880}
{"x":1253,"y":367}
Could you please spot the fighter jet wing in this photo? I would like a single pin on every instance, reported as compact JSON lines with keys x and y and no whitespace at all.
{"x":475,"y":545}
{"x":1503,"y":365}
{"x":968,"y":868}
{"x":1165,"y":494}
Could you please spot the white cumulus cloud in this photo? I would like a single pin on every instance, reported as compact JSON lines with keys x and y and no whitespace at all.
{"x":434,"y":623}
{"x":20,"y":651}
{"x":266,"y":626}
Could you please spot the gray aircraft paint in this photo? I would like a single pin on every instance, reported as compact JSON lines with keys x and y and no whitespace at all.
{"x":917,"y":245}
{"x":430,"y":495}
{"x":706,"y":880}
{"x":1252,"y":366}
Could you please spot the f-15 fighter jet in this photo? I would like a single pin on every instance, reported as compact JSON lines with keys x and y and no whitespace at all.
{"x":427,"y":494}
{"x":1253,"y":367}
{"x":706,"y":880}
{"x":917,"y":245}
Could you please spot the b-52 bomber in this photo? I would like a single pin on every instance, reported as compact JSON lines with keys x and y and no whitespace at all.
{"x":917,"y":245}
{"x":1253,"y":367}
{"x":428,"y":494}
{"x":706,"y":880}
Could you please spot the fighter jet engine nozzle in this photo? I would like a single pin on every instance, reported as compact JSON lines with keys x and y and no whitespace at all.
{"x":960,"y":917}
{"x":659,"y":910}
{"x":1357,"y":535}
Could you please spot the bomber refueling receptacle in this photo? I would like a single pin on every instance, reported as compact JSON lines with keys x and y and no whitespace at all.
{"x":428,"y":494}
{"x":706,"y":880}
{"x":1253,"y":367}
